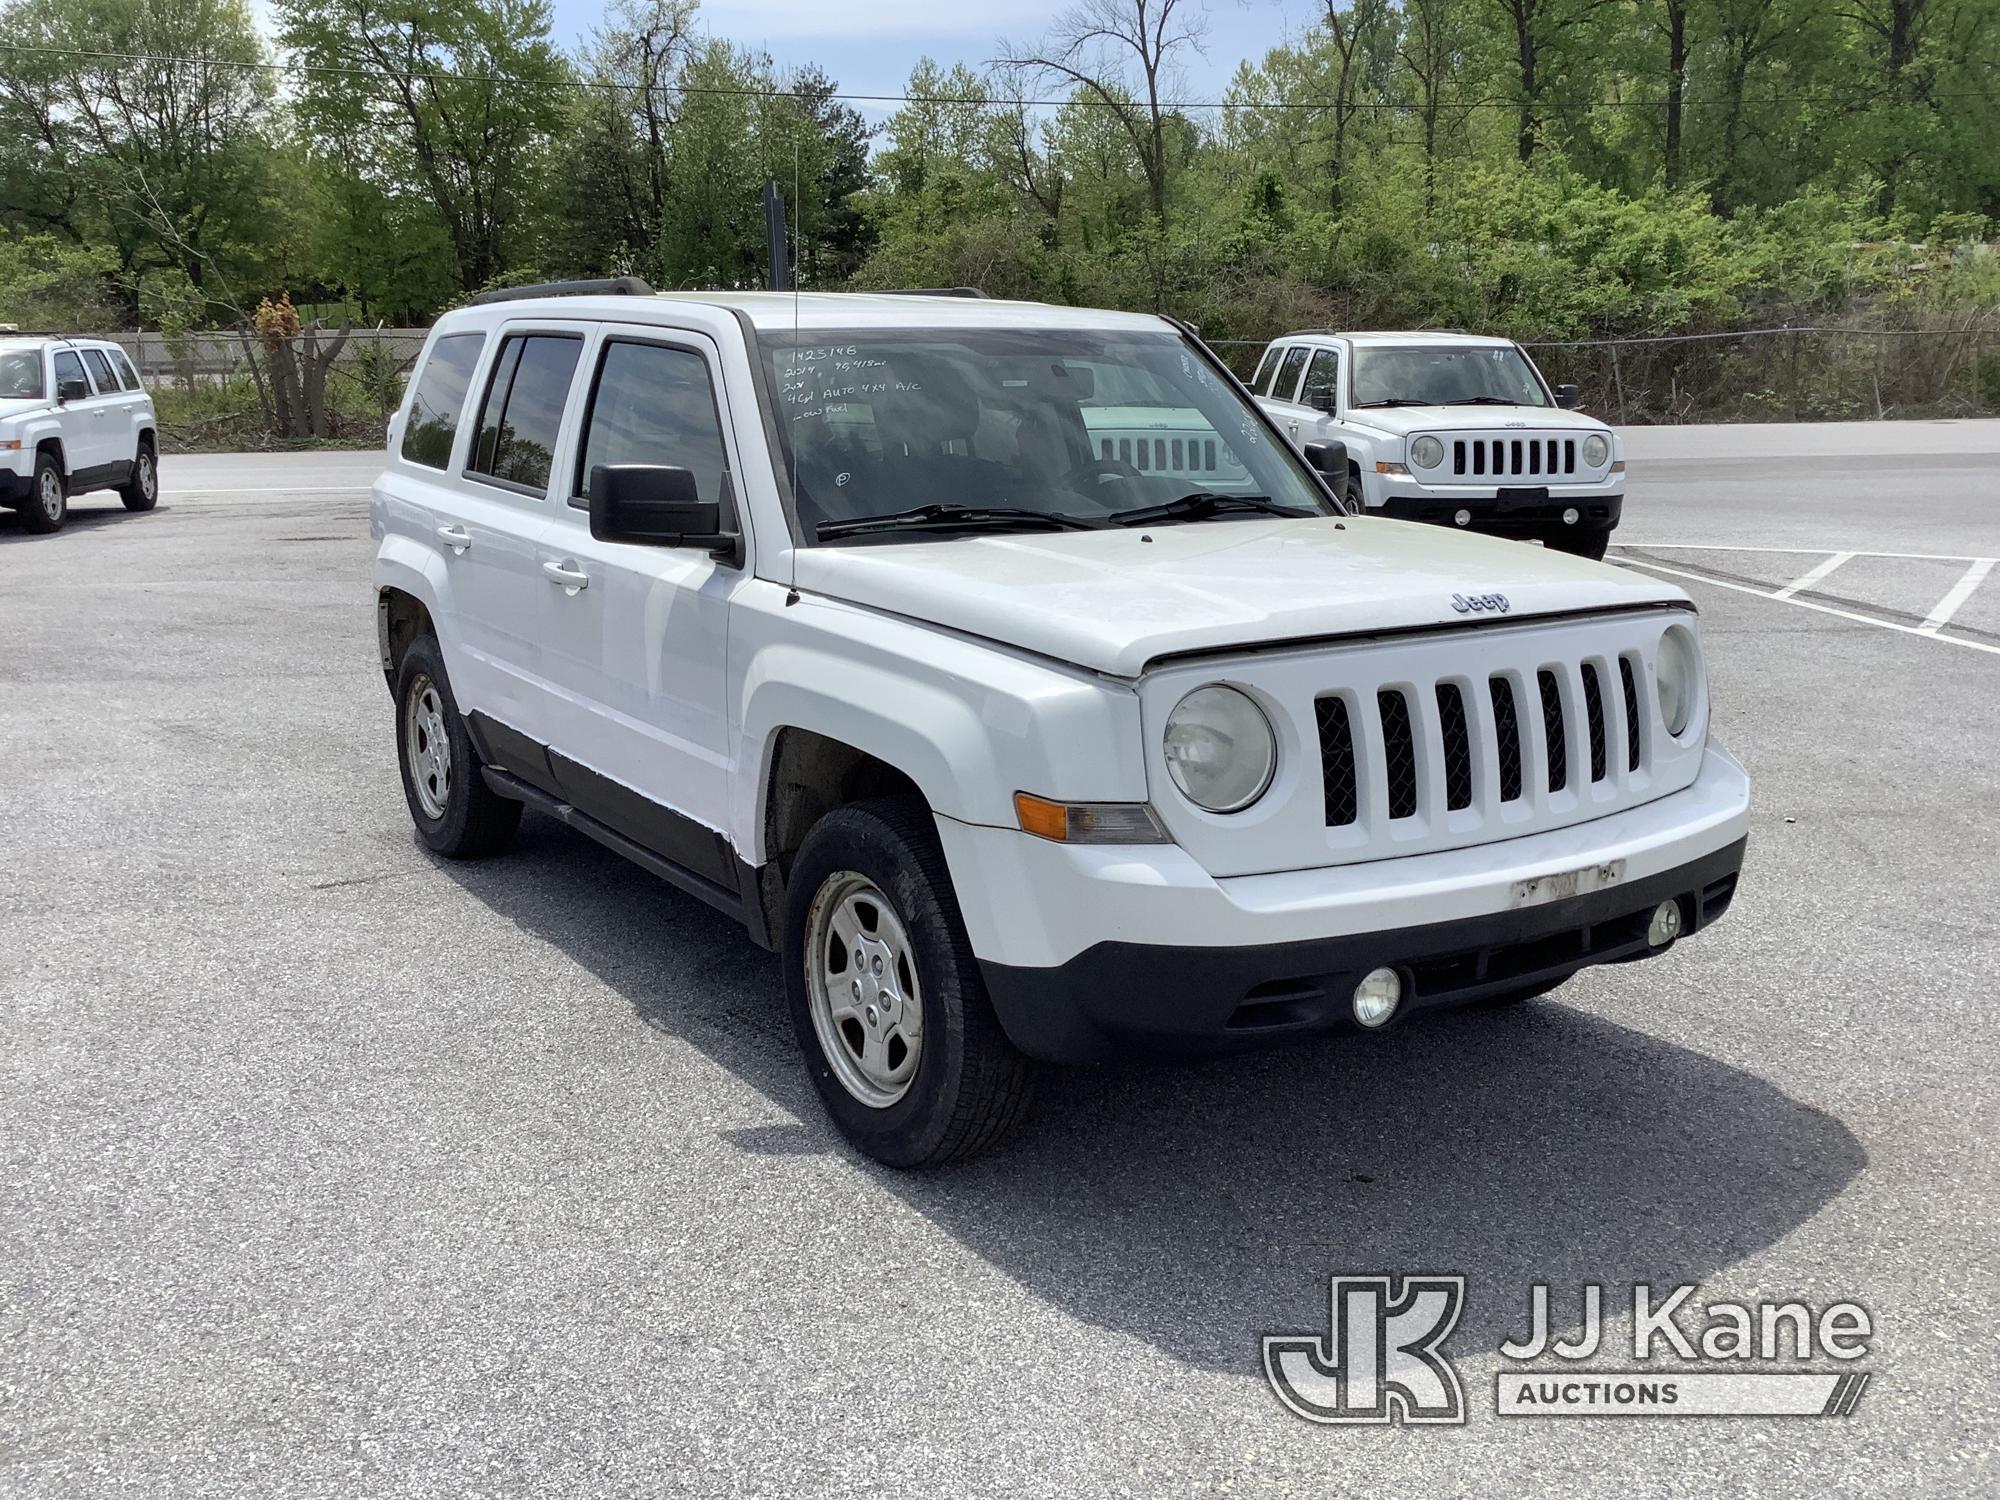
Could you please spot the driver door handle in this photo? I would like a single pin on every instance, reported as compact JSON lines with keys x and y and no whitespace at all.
{"x":567,"y":574}
{"x":455,"y":536}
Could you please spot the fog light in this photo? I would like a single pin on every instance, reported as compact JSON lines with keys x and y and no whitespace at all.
{"x":1570,"y":516}
{"x":1662,"y":930}
{"x":1464,"y":518}
{"x":1377,"y":996}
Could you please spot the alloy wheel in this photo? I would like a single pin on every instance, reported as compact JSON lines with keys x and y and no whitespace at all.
{"x":861,"y":980}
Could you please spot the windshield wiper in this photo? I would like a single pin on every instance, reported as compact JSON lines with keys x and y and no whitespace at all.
{"x":957,"y":517}
{"x":1394,"y":401}
{"x":1485,"y":401}
{"x":1206,"y":503}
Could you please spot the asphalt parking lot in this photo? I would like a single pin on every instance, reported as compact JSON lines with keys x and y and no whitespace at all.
{"x":328,"y":1169}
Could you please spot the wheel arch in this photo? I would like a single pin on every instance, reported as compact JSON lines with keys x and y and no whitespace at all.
{"x":412,"y":595}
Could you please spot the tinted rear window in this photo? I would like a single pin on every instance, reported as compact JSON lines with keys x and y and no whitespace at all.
{"x":100,"y":370}
{"x":523,"y":409}
{"x":440,"y":397}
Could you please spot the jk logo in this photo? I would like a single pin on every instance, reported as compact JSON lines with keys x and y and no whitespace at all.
{"x":1379,"y":1361}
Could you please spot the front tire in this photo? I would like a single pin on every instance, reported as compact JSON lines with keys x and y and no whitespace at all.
{"x":48,"y":497}
{"x":886,"y":997}
{"x":456,"y":813}
{"x":142,"y":492}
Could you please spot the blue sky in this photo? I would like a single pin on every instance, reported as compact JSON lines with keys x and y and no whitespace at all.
{"x":869,"y":46}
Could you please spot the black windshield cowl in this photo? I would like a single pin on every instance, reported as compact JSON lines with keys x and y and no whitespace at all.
{"x":958,"y":518}
{"x":1200,"y":503}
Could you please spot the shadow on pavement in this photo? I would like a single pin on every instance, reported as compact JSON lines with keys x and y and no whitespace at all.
{"x":1196,"y":1207}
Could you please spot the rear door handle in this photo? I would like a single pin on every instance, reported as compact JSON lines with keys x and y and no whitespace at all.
{"x":567,"y":574}
{"x":455,"y":537}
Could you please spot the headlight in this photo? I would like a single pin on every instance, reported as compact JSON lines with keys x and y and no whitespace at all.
{"x":1220,"y":748}
{"x":1596,"y":448}
{"x":1427,"y":453}
{"x":1678,"y":678}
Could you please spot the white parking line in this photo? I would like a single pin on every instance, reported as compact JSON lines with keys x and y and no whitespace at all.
{"x":1795,"y":551}
{"x":1808,"y":579}
{"x":1812,"y":604}
{"x":1960,"y":592}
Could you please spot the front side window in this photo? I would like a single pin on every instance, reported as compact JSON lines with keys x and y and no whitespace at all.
{"x":1446,"y":375}
{"x":439,"y":398}
{"x":653,"y":405}
{"x":1286,"y":386}
{"x":1322,"y":375}
{"x":21,"y":376}
{"x":522,"y":412}
{"x":1082,"y":426}
{"x":100,"y":371}
{"x":69,"y":368}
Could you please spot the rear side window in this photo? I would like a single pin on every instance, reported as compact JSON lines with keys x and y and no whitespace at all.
{"x":522,"y":412}
{"x":653,"y":405}
{"x":100,"y":370}
{"x":1287,"y":384}
{"x":440,"y":397}
{"x":1261,"y":381}
{"x":127,"y":376}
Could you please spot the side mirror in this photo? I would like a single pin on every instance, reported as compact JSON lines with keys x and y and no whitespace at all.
{"x":653,"y":505}
{"x":72,"y":388}
{"x":1329,"y":457}
{"x":1567,"y":396}
{"x":1320,"y":398}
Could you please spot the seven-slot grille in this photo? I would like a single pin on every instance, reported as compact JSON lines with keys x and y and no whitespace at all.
{"x":1529,"y":456}
{"x":1580,"y":728}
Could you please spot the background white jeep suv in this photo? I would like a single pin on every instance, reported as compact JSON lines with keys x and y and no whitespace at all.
{"x":1452,"y":429}
{"x":73,"y":418}
{"x":835,"y":611}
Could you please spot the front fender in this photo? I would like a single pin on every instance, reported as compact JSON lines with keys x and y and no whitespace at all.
{"x":969,"y":723}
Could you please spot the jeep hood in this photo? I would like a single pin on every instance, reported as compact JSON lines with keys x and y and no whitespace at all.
{"x":1112,"y":601}
{"x":1402,"y":421}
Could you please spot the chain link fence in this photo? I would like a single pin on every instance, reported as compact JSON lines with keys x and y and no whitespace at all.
{"x":211,"y":389}
{"x":1790,"y":374}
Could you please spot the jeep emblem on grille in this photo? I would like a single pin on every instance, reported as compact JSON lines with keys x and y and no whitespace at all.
{"x":1479,"y":604}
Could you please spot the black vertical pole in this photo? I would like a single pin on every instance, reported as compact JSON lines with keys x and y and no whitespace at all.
{"x":774,"y":238}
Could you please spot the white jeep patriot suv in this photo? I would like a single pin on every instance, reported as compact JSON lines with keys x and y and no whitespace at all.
{"x":828,"y":610}
{"x":73,"y":417}
{"x":1452,"y":429}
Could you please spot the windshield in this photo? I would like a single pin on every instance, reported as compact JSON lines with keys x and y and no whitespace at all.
{"x":1442,"y":374}
{"x":20,"y":375}
{"x":1069,"y":424}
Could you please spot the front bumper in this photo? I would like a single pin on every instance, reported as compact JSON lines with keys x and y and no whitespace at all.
{"x":1528,"y":512}
{"x":1091,"y":952}
{"x":17,"y":476}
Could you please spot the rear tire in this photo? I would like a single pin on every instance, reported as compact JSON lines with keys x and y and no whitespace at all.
{"x":1590,"y":544}
{"x":457,"y":814}
{"x":47,"y":505}
{"x":871,"y":881}
{"x":142,"y":491}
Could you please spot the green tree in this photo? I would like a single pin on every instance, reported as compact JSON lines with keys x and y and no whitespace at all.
{"x":129,"y":146}
{"x":450,"y":99}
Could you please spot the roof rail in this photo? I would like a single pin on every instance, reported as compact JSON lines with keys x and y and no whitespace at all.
{"x":930,"y":291}
{"x":608,"y":286}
